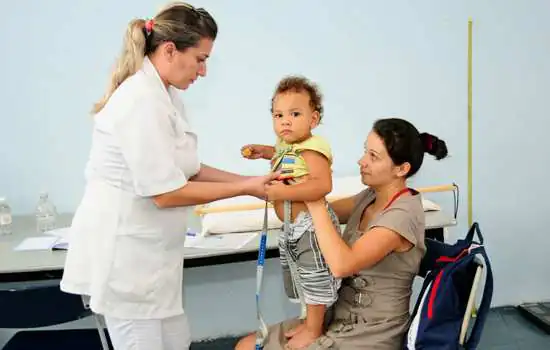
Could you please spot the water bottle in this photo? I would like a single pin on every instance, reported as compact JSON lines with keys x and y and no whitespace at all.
{"x":46,"y":214}
{"x":5,"y":217}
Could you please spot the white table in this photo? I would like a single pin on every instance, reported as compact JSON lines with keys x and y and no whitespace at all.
{"x":16,"y":266}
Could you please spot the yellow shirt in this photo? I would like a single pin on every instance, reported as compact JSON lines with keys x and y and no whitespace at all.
{"x":288,"y":157}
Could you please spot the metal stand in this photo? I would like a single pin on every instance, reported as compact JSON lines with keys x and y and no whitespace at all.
{"x":99,"y":323}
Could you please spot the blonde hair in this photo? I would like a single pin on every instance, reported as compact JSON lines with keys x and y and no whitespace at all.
{"x":177,"y":22}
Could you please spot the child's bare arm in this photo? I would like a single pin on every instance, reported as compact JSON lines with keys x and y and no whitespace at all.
{"x":317,"y":185}
{"x":255,"y":151}
{"x":268,"y":151}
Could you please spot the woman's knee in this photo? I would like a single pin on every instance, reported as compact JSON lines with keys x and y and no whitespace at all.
{"x":246,"y":343}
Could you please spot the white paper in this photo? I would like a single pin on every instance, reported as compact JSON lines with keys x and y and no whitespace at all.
{"x":62,"y":232}
{"x":37,"y":243}
{"x":62,"y":235}
{"x":58,"y":239}
{"x":61,"y":243}
{"x":231,"y":241}
{"x":190,"y":241}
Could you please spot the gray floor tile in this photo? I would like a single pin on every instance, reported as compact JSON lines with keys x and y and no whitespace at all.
{"x":495,"y":332}
{"x":501,"y":347}
{"x":534,"y":344}
{"x":507,"y":329}
{"x":521,"y":328}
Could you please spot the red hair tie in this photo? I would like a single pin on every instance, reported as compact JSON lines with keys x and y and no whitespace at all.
{"x":149,"y":26}
{"x":428,"y":142}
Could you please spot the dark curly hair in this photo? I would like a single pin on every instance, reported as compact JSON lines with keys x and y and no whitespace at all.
{"x":296,"y":83}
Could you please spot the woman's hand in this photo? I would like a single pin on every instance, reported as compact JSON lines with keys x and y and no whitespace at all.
{"x":275,"y":189}
{"x":255,"y":186}
{"x":257,"y":151}
{"x":316,"y":205}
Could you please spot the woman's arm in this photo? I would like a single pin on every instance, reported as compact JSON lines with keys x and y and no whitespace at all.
{"x":343,"y":208}
{"x":368,"y":250}
{"x":194,"y":192}
{"x":211,"y":174}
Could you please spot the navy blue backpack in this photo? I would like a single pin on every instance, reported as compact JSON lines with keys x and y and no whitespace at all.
{"x":445,"y":300}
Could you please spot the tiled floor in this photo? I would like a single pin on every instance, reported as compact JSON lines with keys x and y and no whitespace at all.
{"x":505,"y":329}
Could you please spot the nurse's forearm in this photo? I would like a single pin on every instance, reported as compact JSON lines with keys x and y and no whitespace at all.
{"x":194,"y":193}
{"x":211,"y":174}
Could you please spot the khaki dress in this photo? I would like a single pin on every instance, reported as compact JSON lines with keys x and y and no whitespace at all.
{"x":372,"y":311}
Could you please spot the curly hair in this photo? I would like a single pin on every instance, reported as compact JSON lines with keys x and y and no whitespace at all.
{"x":299,"y":84}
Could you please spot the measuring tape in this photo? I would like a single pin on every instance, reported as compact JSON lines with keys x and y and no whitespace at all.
{"x":261,"y":335}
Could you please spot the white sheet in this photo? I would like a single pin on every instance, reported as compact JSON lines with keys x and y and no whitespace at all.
{"x":252,"y":220}
{"x":233,"y":241}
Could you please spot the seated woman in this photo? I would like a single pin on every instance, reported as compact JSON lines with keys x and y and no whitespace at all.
{"x":380,"y":251}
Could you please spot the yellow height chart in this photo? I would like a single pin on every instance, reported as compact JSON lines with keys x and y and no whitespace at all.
{"x":470,"y":212}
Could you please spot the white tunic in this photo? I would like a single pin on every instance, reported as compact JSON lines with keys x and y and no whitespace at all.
{"x":124,"y":252}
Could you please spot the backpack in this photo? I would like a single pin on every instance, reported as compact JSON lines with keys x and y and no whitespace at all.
{"x":444,"y":301}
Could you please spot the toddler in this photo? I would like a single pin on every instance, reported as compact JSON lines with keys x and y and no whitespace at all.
{"x":305,"y":163}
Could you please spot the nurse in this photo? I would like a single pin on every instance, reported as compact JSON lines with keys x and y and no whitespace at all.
{"x":143,"y":175}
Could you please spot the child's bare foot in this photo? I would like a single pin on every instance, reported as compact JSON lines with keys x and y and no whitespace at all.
{"x":302,"y":339}
{"x":295,"y":330}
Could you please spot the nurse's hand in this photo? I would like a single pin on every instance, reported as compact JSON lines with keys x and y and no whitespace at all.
{"x":255,"y":186}
{"x":276,"y":190}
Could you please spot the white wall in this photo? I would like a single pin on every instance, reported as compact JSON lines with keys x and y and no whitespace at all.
{"x":371,"y":59}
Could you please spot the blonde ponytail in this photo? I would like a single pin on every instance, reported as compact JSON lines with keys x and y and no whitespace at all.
{"x":179,"y":23}
{"x":129,"y":62}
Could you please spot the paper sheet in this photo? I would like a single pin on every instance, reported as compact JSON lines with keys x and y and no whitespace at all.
{"x":63,"y":237}
{"x":37,"y":243}
{"x":58,"y":239}
{"x":62,"y":232}
{"x":54,"y":239}
{"x":231,"y":241}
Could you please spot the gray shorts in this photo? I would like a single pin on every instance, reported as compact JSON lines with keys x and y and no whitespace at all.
{"x":317,"y":283}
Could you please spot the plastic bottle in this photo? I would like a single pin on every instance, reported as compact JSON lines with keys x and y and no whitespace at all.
{"x":46,"y":214}
{"x":5,"y":217}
